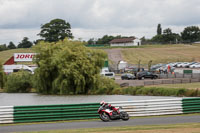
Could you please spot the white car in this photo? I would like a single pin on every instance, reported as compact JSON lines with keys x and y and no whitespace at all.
{"x":196,"y":65}
{"x":183,"y":64}
{"x":15,"y":68}
{"x":109,"y":74}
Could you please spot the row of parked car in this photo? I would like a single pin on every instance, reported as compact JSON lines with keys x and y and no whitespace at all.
{"x":139,"y":75}
{"x":186,"y":64}
{"x":165,"y":67}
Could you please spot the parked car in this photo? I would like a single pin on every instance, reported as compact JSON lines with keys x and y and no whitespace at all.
{"x":191,"y":63}
{"x":156,"y":67}
{"x":183,"y":64}
{"x":196,"y":65}
{"x":108,"y":74}
{"x":146,"y":74}
{"x":176,"y":64}
{"x":127,"y":76}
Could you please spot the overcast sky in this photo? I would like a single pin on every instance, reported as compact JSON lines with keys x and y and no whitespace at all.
{"x":95,"y":18}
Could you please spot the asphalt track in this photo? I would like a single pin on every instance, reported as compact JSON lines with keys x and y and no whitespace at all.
{"x":99,"y":123}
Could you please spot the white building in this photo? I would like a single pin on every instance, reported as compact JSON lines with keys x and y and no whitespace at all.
{"x":125,"y":42}
{"x":122,"y":65}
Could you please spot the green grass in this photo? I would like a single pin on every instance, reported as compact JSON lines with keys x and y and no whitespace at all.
{"x":162,"y":53}
{"x":186,"y":86}
{"x":157,"y":91}
{"x":5,"y":55}
{"x":145,"y":53}
{"x":178,"y":128}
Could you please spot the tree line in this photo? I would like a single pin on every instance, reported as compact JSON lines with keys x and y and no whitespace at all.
{"x":53,"y":31}
{"x":190,"y":34}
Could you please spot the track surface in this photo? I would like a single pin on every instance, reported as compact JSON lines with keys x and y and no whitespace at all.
{"x":99,"y":123}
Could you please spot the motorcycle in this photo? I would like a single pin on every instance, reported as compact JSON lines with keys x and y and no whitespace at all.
{"x":106,"y":114}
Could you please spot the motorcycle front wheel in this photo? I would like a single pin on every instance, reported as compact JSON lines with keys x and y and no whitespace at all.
{"x":104,"y":117}
{"x":124,"y":116}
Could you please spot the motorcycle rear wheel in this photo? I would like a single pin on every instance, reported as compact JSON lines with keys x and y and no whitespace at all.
{"x":104,"y":117}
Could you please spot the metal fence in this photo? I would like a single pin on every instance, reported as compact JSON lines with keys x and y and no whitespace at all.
{"x":170,"y":81}
{"x":160,"y":106}
{"x":40,"y":113}
{"x":176,"y":75}
{"x":162,"y":79}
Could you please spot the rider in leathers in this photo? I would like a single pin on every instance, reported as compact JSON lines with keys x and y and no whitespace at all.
{"x":108,"y":106}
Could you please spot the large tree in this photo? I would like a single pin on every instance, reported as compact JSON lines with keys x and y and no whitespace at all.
{"x":191,"y":34}
{"x":169,"y":36}
{"x":55,"y":30}
{"x":25,"y":43}
{"x":67,"y":67}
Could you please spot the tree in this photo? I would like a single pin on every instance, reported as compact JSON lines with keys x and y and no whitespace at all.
{"x":11,"y":45}
{"x":157,"y":39}
{"x":19,"y":82}
{"x":191,"y":34}
{"x":55,"y":30}
{"x":25,"y":43}
{"x":159,"y":29}
{"x":91,"y":41}
{"x":168,"y":36}
{"x":67,"y":67}
{"x":3,"y":47}
{"x":37,"y":41}
{"x":105,"y":39}
{"x":2,"y":76}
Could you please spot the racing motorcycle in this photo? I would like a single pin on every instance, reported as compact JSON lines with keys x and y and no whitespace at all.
{"x":106,"y":114}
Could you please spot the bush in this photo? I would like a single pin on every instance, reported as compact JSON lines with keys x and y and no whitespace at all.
{"x":105,"y":86}
{"x":155,"y":91}
{"x":19,"y":82}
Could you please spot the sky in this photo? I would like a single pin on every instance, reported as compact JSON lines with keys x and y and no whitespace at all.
{"x":96,"y":18}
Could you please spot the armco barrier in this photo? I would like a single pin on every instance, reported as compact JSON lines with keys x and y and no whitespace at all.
{"x":37,"y":113}
{"x":151,"y":107}
{"x":6,"y":114}
{"x":191,"y":105}
{"x":55,"y":112}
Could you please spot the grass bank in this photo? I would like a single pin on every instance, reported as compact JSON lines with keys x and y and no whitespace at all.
{"x":175,"y":128}
{"x":186,"y":86}
{"x":161,"y":54}
{"x":157,"y":91}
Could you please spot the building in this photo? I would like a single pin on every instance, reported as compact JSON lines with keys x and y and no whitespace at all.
{"x":12,"y":64}
{"x":125,"y":42}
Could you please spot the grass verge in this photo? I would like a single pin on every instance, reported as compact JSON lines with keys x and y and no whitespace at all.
{"x":185,"y":86}
{"x":157,"y":91}
{"x":175,"y":128}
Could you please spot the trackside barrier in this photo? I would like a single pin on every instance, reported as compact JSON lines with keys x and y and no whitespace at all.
{"x":38,"y":113}
{"x":6,"y":114}
{"x":191,"y":105}
{"x":55,"y":112}
{"x":151,"y":107}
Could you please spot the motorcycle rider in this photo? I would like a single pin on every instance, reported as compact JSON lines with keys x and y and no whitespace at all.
{"x":108,"y":106}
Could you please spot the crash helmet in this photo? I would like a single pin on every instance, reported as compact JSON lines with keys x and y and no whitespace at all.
{"x":102,"y":103}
